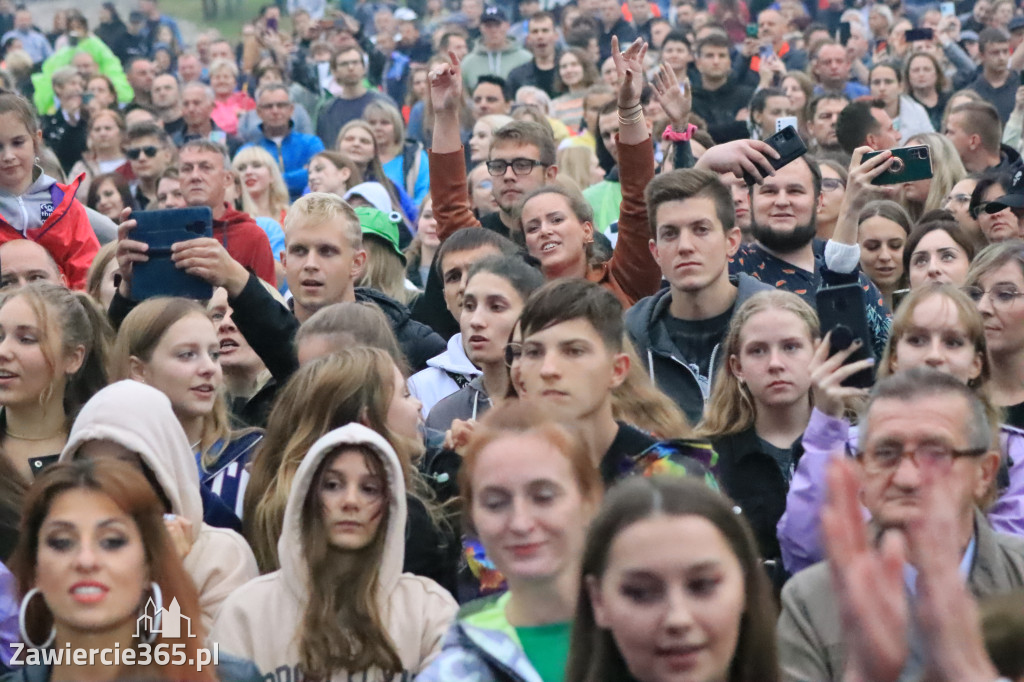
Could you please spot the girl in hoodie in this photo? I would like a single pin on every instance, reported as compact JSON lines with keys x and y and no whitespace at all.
{"x":53,"y":351}
{"x":171,"y":344}
{"x":136,"y":424}
{"x":32,"y":204}
{"x":360,"y":385}
{"x":530,"y":491}
{"x":97,"y":524}
{"x":760,"y":405}
{"x":339,"y":607}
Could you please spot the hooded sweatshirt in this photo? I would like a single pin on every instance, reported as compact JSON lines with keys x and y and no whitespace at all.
{"x":140,"y":418}
{"x":261,"y":620}
{"x":492,"y":62}
{"x":445,"y":374}
{"x":645,"y":324}
{"x":48,"y":214}
{"x":247,"y":243}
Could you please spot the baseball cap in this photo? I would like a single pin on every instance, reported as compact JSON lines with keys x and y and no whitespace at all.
{"x":374,"y":193}
{"x":405,"y":14}
{"x":968,"y":37}
{"x":379,"y":224}
{"x":1014,"y":198}
{"x":1016,"y":24}
{"x":493,"y":14}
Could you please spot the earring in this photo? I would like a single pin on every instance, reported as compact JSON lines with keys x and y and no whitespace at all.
{"x":21,"y":623}
{"x":158,"y":603}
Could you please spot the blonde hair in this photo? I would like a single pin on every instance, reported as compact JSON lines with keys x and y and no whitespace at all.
{"x":138,"y":337}
{"x":277,"y":193}
{"x":947,"y":170}
{"x":317,"y":208}
{"x":575,"y":162}
{"x":731,"y":408}
{"x":638,"y":401}
{"x":384,"y":271}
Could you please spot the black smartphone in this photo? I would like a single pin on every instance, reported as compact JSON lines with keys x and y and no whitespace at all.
{"x":751,"y":30}
{"x":842,"y":311}
{"x":161,"y":230}
{"x":844,"y":33}
{"x":788,"y":144}
{"x":918,"y":34}
{"x":1022,"y":77}
{"x":909,"y":164}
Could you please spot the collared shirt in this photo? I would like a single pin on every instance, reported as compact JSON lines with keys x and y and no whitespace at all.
{"x":910,"y":573}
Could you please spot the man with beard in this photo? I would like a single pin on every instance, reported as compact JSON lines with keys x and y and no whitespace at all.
{"x":783,"y":223}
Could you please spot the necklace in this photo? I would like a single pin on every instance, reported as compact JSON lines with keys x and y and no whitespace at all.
{"x":31,"y":439}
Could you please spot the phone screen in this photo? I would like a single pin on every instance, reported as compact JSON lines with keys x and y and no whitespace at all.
{"x":948,"y":9}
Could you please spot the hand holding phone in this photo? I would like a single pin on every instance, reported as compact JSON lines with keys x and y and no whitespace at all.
{"x":844,"y":320}
{"x":908,"y":164}
{"x":158,"y":232}
{"x":789,"y":146}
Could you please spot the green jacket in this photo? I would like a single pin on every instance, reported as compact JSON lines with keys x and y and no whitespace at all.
{"x":109,"y":66}
{"x":605,"y":198}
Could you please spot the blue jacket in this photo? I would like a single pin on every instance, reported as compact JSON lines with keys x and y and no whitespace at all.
{"x":292,"y":155}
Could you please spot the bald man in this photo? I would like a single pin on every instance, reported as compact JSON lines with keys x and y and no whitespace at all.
{"x":23,"y":261}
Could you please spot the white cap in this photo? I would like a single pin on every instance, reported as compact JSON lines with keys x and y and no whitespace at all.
{"x":373,"y":192}
{"x":405,"y":14}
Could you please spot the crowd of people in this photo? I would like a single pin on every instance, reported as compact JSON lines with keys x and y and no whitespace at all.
{"x":516,"y":364}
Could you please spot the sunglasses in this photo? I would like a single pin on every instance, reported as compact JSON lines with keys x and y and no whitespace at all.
{"x":134,"y":153}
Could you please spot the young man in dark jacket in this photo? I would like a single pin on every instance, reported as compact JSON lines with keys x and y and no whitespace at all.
{"x":677,"y":332}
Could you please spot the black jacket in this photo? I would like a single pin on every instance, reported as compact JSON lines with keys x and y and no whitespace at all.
{"x":645,"y":324}
{"x":753,"y":479}
{"x":418,"y":342}
{"x":719,"y":107}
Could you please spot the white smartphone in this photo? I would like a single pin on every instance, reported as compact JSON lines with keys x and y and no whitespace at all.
{"x":947,"y":9}
{"x":784,"y":122}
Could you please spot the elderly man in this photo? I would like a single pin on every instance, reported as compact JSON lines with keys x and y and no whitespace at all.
{"x":197,"y":102}
{"x":921,"y":428}
{"x":291,"y":149}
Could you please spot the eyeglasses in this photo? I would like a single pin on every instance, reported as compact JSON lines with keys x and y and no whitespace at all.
{"x":513,"y":352}
{"x":134,"y":153}
{"x":958,"y":199}
{"x":886,"y":457}
{"x":832,"y":184}
{"x":520,"y":166}
{"x":267,"y":106}
{"x":1002,"y":296}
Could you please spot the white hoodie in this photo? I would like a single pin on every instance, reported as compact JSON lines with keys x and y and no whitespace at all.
{"x":140,"y":418}
{"x":260,"y":621}
{"x":432,"y":384}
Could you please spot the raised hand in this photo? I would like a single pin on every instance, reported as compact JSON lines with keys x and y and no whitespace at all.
{"x":677,"y":102}
{"x":128,"y":252}
{"x":445,"y":85}
{"x":868,"y":583}
{"x":739,"y":156}
{"x":630,"y":67}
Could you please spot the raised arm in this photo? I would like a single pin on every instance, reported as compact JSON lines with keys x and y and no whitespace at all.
{"x":632,"y":265}
{"x":446,"y":158}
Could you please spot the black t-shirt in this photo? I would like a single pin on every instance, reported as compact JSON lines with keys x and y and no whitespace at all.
{"x":782,"y":456}
{"x":629,"y":442}
{"x":695,"y":340}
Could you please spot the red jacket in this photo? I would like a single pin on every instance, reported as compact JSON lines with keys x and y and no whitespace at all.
{"x":247,"y":243}
{"x":66,"y":234}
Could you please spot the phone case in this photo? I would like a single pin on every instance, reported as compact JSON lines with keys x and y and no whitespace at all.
{"x":162,"y":229}
{"x":788,"y":144}
{"x":912,"y":163}
{"x":841,"y":311}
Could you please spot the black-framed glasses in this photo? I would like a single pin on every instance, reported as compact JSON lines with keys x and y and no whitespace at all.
{"x":1002,"y":295}
{"x":520,"y":166}
{"x":134,"y":153}
{"x":886,"y":457}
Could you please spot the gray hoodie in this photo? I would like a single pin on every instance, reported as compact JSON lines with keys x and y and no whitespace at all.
{"x":31,"y":209}
{"x":493,"y":62}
